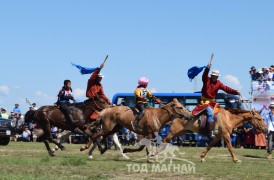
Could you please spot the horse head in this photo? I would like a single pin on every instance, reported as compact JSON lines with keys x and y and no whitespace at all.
{"x":258,"y":122}
{"x":178,"y":110}
{"x":96,"y":103}
{"x":29,"y":116}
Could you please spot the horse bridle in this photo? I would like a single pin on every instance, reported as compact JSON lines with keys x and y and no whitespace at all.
{"x":253,"y":117}
{"x":256,"y":121}
{"x":182,"y":115}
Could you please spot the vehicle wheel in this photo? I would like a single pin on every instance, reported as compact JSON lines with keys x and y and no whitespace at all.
{"x":4,"y":141}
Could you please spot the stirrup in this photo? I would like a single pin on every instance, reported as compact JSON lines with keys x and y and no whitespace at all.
{"x":134,"y":127}
{"x":132,"y":124}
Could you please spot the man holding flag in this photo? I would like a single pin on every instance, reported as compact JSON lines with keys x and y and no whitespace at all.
{"x":94,"y":87}
{"x":210,"y":88}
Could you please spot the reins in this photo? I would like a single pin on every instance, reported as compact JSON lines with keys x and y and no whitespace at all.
{"x":175,"y":116}
{"x":253,"y":117}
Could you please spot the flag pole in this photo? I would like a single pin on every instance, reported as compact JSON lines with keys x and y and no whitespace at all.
{"x":211,"y":58}
{"x":105,"y":59}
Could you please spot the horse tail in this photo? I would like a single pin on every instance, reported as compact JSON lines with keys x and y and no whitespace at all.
{"x":29,"y":116}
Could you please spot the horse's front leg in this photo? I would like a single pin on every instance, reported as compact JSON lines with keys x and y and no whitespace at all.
{"x":211,"y":144}
{"x":128,"y":150}
{"x":59,"y":145}
{"x":51,"y":153}
{"x":229,"y":146}
{"x":103,"y":150}
{"x":116,"y":141}
{"x":149,"y":150}
{"x":92,"y":149}
{"x":86,"y":146}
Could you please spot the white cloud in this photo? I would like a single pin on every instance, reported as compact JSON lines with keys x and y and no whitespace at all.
{"x":4,"y":90}
{"x":232,"y":82}
{"x":79,"y":93}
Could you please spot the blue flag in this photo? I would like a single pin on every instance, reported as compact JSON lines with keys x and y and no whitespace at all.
{"x":85,"y":70}
{"x":194,"y":71}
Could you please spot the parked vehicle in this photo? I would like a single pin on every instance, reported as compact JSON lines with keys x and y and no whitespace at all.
{"x":7,"y":129}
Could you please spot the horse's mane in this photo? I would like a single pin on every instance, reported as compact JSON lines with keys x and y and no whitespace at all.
{"x":236,"y":111}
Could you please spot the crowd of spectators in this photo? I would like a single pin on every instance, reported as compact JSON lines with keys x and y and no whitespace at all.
{"x":127,"y":137}
{"x":263,"y":74}
{"x":27,"y":131}
{"x":248,"y":137}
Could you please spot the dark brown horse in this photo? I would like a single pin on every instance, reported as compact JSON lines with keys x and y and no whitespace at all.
{"x":113,"y":119}
{"x":228,"y":119}
{"x":47,"y":116}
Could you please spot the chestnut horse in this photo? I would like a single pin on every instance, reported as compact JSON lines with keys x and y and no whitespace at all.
{"x":47,"y":116}
{"x":114,"y":118}
{"x":228,"y":119}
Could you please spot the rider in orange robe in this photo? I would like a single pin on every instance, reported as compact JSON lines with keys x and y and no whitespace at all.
{"x":211,"y":85}
{"x":95,"y":89}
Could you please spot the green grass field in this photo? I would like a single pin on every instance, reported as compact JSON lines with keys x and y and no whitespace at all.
{"x":20,"y":160}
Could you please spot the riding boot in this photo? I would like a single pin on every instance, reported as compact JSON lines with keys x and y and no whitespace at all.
{"x":135,"y":122}
{"x":211,"y":129}
{"x":71,"y":119}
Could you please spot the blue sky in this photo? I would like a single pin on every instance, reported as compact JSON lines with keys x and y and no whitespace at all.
{"x":158,"y":39}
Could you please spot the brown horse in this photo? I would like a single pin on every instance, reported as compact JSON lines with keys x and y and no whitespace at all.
{"x":47,"y":116}
{"x":113,"y":119}
{"x":228,"y":119}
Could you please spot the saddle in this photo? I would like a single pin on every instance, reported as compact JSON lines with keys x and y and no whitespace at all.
{"x":202,"y":120}
{"x":95,"y":114}
{"x":134,"y":110}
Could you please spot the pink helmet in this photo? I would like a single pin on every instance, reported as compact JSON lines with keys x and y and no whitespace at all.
{"x":143,"y":81}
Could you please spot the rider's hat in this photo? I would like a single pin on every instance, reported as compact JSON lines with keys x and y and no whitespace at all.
{"x":101,"y":75}
{"x":143,"y":81}
{"x":253,"y":68}
{"x":215,"y":73}
{"x":271,"y":105}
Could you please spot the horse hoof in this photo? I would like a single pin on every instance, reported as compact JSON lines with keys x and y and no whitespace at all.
{"x":150,"y":161}
{"x":53,"y":150}
{"x":237,"y":161}
{"x":90,"y":157}
{"x":51,"y":153}
{"x":125,"y":156}
{"x":82,"y":148}
{"x":202,"y":160}
{"x":63,"y":148}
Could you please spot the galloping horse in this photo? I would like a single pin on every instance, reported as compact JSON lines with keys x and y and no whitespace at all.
{"x":228,"y":119}
{"x":48,"y":116}
{"x":114,"y":118}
